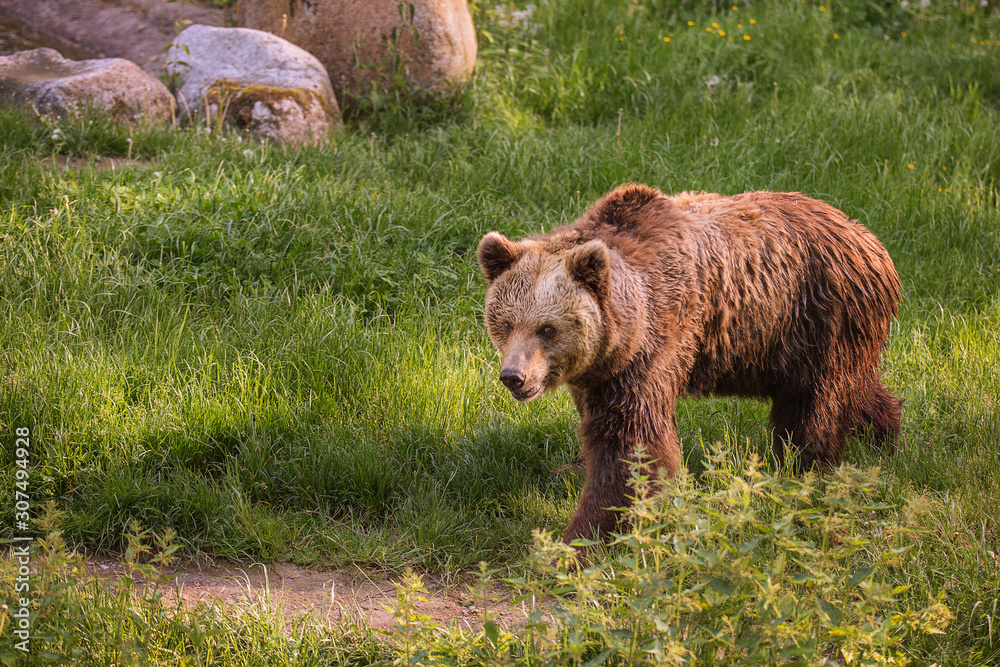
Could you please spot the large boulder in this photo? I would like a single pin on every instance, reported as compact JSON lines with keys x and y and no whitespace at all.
{"x":254,"y":80}
{"x":55,"y":85}
{"x":137,"y":30}
{"x":431,"y":44}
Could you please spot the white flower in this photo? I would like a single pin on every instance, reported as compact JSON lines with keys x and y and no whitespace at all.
{"x":715,"y":141}
{"x":524,"y":14}
{"x":713,"y":82}
{"x":57,"y":135}
{"x":247,"y":153}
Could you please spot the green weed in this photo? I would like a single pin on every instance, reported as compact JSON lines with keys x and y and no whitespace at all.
{"x":749,"y":568}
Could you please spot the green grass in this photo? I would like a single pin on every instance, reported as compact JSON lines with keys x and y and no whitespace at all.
{"x":279,"y":353}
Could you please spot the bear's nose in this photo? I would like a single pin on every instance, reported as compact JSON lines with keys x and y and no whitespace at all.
{"x":511,"y":379}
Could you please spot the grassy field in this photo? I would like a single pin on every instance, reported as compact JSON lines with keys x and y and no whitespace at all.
{"x":279,"y":353}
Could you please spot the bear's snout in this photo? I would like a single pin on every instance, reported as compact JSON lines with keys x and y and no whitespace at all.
{"x":511,"y":379}
{"x":515,"y":381}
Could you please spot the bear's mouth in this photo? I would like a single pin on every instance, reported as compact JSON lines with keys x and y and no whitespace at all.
{"x":527,"y":394}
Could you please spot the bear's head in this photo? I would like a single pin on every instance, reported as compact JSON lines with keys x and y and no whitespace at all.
{"x":543,"y":309}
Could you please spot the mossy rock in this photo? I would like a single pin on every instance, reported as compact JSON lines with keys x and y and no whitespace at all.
{"x":254,"y":81}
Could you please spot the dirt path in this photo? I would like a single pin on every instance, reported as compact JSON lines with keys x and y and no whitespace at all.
{"x":330,"y":594}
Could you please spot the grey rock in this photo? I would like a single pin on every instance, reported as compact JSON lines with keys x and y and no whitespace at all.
{"x":55,"y":85}
{"x":253,"y":80}
{"x":137,"y":30}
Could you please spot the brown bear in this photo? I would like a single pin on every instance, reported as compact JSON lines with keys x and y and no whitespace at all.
{"x":648,"y":297}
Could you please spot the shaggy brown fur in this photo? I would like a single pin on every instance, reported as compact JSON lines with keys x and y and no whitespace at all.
{"x":648,"y":297}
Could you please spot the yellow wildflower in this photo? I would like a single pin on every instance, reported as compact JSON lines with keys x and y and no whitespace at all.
{"x":746,"y":38}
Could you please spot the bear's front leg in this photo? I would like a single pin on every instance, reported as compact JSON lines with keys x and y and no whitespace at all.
{"x":611,"y":427}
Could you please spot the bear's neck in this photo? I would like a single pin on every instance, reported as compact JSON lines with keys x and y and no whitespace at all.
{"x":624,"y":316}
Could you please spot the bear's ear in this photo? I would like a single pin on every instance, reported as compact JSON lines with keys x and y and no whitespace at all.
{"x":590,"y":265}
{"x":497,"y":253}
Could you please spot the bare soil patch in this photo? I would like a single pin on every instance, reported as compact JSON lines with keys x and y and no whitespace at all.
{"x":332,"y":595}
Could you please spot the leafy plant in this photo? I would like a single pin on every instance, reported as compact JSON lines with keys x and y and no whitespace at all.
{"x":746,"y":568}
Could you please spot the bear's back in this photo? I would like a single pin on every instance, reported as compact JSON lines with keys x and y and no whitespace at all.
{"x":764,"y":278}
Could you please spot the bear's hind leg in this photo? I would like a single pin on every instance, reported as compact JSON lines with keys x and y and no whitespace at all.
{"x":880,"y":417}
{"x":814,"y":422}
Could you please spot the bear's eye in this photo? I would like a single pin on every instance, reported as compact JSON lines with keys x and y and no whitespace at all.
{"x":548,"y":331}
{"x":506,"y":326}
